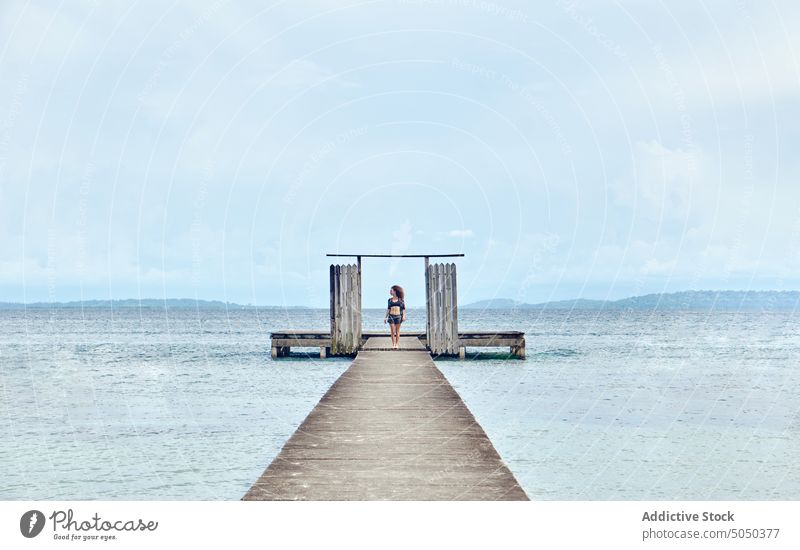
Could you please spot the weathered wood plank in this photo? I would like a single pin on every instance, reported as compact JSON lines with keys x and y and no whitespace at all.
{"x":385,"y":343}
{"x":492,"y":342}
{"x":301,"y":342}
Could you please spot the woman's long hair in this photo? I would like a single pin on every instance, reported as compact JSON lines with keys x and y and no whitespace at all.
{"x":398,"y":291}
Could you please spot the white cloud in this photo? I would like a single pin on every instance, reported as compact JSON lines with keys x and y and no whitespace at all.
{"x":658,"y":267}
{"x":663,"y":182}
{"x":748,"y":61}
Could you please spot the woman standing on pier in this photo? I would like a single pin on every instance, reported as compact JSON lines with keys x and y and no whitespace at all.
{"x":395,"y":313}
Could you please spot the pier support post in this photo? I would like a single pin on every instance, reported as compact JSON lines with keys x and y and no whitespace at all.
{"x":323,"y":352}
{"x":462,"y":352}
{"x":518,"y":350}
{"x":274,"y":352}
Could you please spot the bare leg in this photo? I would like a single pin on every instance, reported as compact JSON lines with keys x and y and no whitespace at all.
{"x":397,"y":331}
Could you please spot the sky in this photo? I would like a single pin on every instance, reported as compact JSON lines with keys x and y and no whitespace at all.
{"x":218,"y":150}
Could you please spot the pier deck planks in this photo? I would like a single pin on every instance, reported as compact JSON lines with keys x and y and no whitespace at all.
{"x":390,"y":428}
{"x":378,"y":343}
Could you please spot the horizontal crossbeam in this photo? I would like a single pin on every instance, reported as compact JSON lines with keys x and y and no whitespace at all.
{"x":398,"y":255}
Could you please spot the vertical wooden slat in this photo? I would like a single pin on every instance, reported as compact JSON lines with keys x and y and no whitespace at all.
{"x":456,"y":342}
{"x":356,"y":308}
{"x":339,"y":312}
{"x":453,"y":336}
{"x":334,"y":308}
{"x":435,"y":307}
{"x":434,"y":311}
{"x":439,"y":311}
{"x":448,"y":309}
{"x":443,"y":300}
{"x":333,"y":302}
{"x":351,"y":306}
{"x":358,"y":304}
{"x":342,"y":308}
{"x":348,"y":305}
{"x":431,"y":336}
{"x":345,"y":308}
{"x":446,"y":299}
{"x":351,"y":309}
{"x":427,"y":300}
{"x":335,"y":337}
{"x":443,"y":310}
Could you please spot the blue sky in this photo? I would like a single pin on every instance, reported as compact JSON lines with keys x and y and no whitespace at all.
{"x":569,"y":149}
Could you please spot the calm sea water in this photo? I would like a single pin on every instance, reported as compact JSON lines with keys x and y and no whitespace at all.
{"x":184,"y":404}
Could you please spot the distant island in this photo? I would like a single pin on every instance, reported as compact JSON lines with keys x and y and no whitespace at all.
{"x":697,"y":300}
{"x":176,"y":303}
{"x":700,"y":300}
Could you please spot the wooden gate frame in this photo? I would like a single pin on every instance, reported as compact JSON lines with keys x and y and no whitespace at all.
{"x":345,"y":309}
{"x":453,"y":344}
{"x":442,"y":308}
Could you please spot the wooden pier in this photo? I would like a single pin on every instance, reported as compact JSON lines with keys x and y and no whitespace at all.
{"x":284,"y":341}
{"x":390,"y":428}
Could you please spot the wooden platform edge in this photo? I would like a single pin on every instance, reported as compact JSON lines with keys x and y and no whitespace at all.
{"x":283,"y":341}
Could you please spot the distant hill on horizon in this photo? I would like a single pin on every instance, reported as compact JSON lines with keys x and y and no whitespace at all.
{"x":703,"y":300}
{"x":178,"y":303}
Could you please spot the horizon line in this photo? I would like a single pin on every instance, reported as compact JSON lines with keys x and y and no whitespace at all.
{"x":237,"y":304}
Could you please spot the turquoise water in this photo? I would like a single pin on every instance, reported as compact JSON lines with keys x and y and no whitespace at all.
{"x":188,"y":405}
